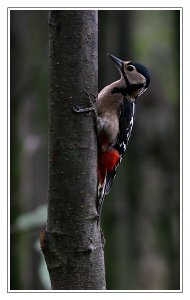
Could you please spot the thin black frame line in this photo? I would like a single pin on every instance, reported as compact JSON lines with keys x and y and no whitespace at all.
{"x":94,"y":292}
{"x":181,"y":57}
{"x":181,"y":156}
{"x":154,"y":8}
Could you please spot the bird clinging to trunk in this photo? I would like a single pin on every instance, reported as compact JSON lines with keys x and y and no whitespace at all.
{"x":115,"y":115}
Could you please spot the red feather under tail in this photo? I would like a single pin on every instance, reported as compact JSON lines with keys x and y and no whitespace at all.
{"x":106,"y":163}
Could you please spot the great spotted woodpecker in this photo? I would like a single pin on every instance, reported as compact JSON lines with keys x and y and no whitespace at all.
{"x":115,"y":113}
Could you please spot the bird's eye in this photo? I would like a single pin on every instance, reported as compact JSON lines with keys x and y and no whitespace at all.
{"x":130,"y":68}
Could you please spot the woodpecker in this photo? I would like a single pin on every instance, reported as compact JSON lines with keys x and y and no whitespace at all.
{"x":115,"y":114}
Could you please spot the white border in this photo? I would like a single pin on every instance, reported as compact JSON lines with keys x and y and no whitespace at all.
{"x":8,"y":124}
{"x":146,"y":294}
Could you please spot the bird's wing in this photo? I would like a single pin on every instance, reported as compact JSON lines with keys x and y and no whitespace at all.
{"x":126,"y":120}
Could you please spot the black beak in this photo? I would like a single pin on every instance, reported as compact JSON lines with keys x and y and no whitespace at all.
{"x":116,"y":60}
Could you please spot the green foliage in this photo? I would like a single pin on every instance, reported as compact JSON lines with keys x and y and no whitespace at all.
{"x":31,"y":220}
{"x":42,"y":269}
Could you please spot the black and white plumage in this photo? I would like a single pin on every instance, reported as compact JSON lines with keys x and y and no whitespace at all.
{"x":126,"y":121}
{"x":115,"y":109}
{"x":115,"y":114}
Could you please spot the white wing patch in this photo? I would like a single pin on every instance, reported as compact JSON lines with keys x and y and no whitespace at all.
{"x":121,"y":146}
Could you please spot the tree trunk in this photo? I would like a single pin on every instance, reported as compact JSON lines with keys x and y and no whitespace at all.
{"x":72,"y":243}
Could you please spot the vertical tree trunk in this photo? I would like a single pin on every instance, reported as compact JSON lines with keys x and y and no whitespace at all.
{"x":72,"y":243}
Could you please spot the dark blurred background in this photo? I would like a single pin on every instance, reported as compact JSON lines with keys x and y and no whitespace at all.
{"x":141,"y":215}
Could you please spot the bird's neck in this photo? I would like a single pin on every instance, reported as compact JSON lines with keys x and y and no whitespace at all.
{"x":119,"y":87}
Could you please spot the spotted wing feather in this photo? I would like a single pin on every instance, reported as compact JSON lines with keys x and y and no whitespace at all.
{"x":126,"y":120}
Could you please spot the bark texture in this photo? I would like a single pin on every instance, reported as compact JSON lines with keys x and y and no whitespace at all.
{"x":72,"y":243}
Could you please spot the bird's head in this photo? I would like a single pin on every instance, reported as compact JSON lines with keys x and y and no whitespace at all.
{"x":136,"y":77}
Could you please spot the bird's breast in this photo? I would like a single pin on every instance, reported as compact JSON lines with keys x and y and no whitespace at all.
{"x":108,"y":109}
{"x":109,"y":127}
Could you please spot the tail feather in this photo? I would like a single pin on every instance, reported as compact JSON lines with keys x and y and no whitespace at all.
{"x":109,"y":181}
{"x":101,"y":196}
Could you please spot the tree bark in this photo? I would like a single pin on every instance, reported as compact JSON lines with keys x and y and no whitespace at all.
{"x":72,"y":243}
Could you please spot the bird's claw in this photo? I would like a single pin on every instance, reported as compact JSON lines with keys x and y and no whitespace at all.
{"x":86,"y":110}
{"x":92,"y":98}
{"x":76,"y":108}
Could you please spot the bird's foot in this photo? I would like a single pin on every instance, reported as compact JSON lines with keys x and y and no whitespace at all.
{"x":92,"y":99}
{"x":79,"y":109}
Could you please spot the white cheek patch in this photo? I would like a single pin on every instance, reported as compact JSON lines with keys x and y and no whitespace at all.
{"x":135,"y":78}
